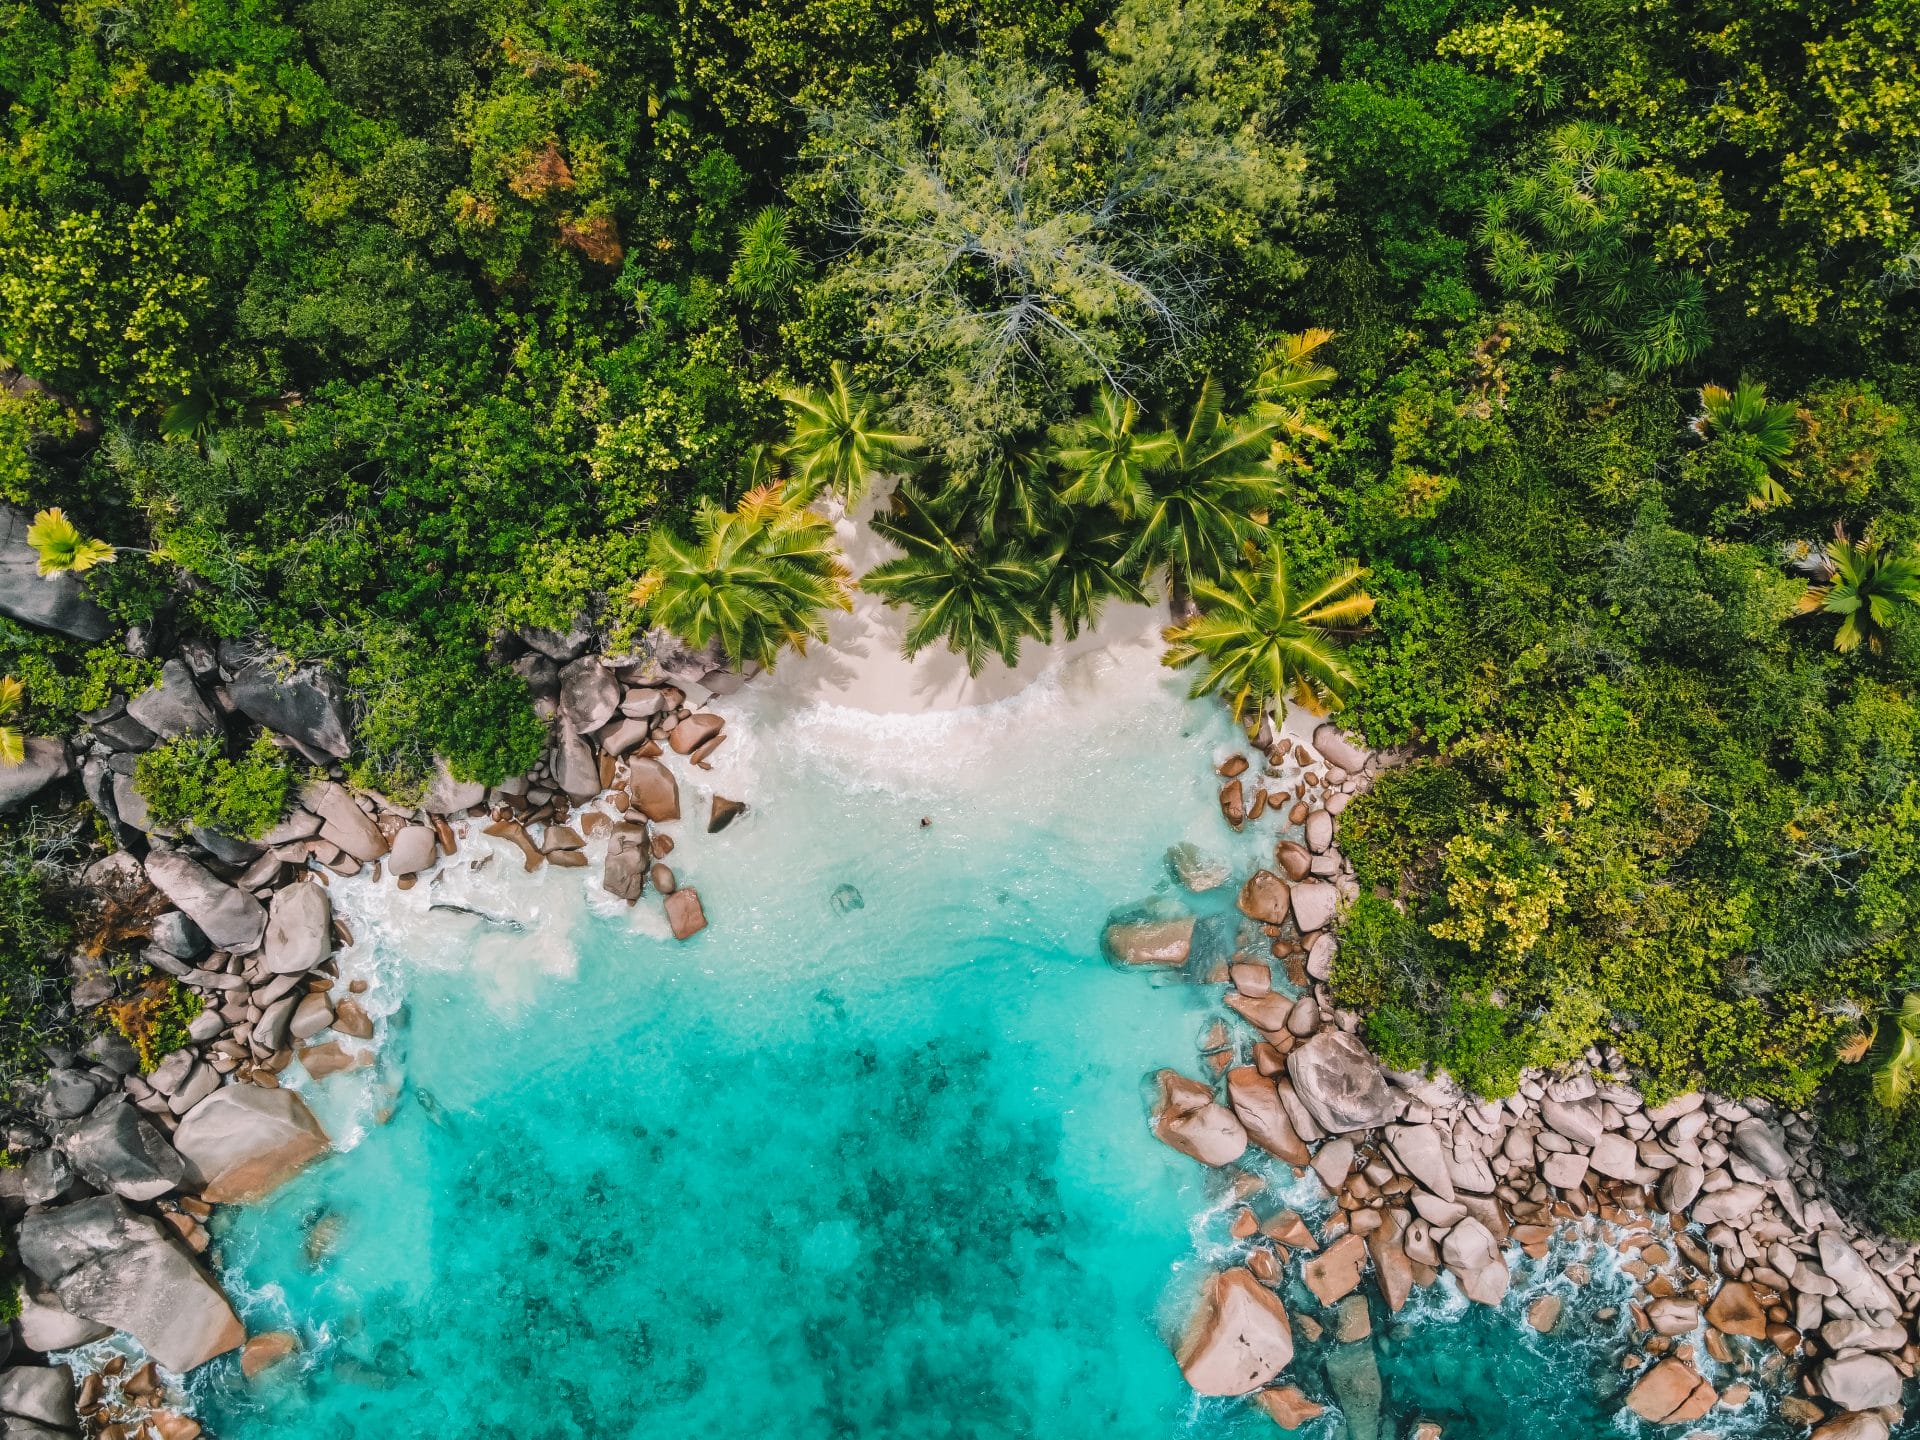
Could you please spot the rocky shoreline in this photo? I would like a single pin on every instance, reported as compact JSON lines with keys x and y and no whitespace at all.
{"x":1746,"y":1277}
{"x":121,"y":1171}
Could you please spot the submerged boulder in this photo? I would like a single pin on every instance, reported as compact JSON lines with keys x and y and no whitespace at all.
{"x":1150,"y":944}
{"x":106,"y":1263}
{"x":1340,"y":1083}
{"x":1239,"y":1337}
{"x":243,"y":1141}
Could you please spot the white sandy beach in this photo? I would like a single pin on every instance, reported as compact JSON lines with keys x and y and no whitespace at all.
{"x":861,"y":667}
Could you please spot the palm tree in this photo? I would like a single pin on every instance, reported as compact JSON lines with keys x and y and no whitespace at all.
{"x":1263,"y":644}
{"x":1893,"y":1078}
{"x":13,"y":744}
{"x":1205,"y":500}
{"x":1863,"y":583}
{"x":62,"y":547}
{"x":1008,"y":494}
{"x":766,"y":266}
{"x":1107,"y":456}
{"x":981,"y":595}
{"x":1770,"y":431}
{"x":759,"y":577}
{"x":835,"y":443}
{"x":1084,"y":562}
{"x":1289,"y":377}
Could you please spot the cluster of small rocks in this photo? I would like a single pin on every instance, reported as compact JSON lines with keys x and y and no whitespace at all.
{"x":122,"y":1169}
{"x":1713,"y":1206}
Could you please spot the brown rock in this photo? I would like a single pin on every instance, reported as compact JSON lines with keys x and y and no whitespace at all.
{"x":1736,"y":1311}
{"x":1267,"y":1012}
{"x":1188,"y":1118}
{"x":1288,"y":1406}
{"x":1233,"y":803}
{"x":1294,"y":859}
{"x":1391,"y":1267}
{"x":723,"y":812}
{"x":514,"y":833}
{"x":1671,"y":1393}
{"x":1335,"y":1272}
{"x":1150,"y":944}
{"x":349,"y":1018}
{"x":662,"y":878}
{"x":332,"y":1058}
{"x":684,"y":913}
{"x":694,"y":731}
{"x":651,"y":786}
{"x":1256,"y":1100}
{"x":263,"y":1352}
{"x":1239,"y":1337}
{"x":1544,"y":1313}
{"x":1266,"y":898}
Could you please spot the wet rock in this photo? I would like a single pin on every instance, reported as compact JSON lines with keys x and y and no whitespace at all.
{"x":108,"y":1264}
{"x":589,"y":695}
{"x":1671,"y":1315}
{"x":45,"y":762}
{"x":1340,"y":1083}
{"x":1735,"y":1310}
{"x":1392,"y":1268}
{"x":332,"y":1058}
{"x":1195,"y":869}
{"x":263,"y":1352}
{"x":415,"y":849}
{"x":1353,"y":1373}
{"x":48,"y":602}
{"x":299,"y":929}
{"x":1295,"y":860}
{"x":1150,"y":944}
{"x":694,"y":731}
{"x":350,"y":1018}
{"x":230,"y":918}
{"x":1671,"y":1393}
{"x":663,"y":880}
{"x":1543,"y":1314}
{"x":1288,"y":1406}
{"x":684,"y":914}
{"x":1256,"y":1102}
{"x":313,"y":1014}
{"x":651,"y":786}
{"x":1187,"y":1117}
{"x":1265,"y":898}
{"x":1853,"y":1425}
{"x":1239,"y":1337}
{"x":242,"y":1142}
{"x":625,"y":871}
{"x":722,"y":812}
{"x":1859,"y":1381}
{"x":116,"y":1148}
{"x":302,"y":703}
{"x":1335,"y":1272}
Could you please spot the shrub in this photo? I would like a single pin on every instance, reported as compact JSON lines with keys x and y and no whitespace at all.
{"x":190,"y":783}
{"x":154,"y":1019}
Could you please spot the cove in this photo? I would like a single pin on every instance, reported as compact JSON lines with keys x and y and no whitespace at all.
{"x":833,"y":1168}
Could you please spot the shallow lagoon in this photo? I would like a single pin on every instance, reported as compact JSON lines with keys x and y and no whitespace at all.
{"x":831,"y":1169}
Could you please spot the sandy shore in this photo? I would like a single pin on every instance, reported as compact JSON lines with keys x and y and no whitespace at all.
{"x":861,"y":667}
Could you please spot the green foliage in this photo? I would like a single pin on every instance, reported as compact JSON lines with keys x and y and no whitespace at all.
{"x":154,"y":1018}
{"x":416,"y":704}
{"x":1264,"y":644}
{"x":61,"y":547}
{"x":189,"y":783}
{"x":1863,"y":583}
{"x":759,"y":578}
{"x":835,"y":442}
{"x":37,"y":903}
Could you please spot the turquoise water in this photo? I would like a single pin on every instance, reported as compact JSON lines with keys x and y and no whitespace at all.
{"x":828,"y":1170}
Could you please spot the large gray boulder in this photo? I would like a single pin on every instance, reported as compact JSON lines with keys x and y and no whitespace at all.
{"x":45,"y":762}
{"x":108,"y":1264}
{"x":1337,"y":748}
{"x":1860,"y":1381}
{"x":230,"y":918}
{"x":589,"y":694}
{"x":244,"y":1141}
{"x":344,"y":823}
{"x":448,"y":796}
{"x":1859,"y":1286}
{"x":575,"y":768}
{"x":1239,"y":1337}
{"x":116,"y":1148}
{"x":48,"y":602}
{"x":175,"y":706}
{"x":1341,"y":1083}
{"x":301,"y":703}
{"x":43,"y":1394}
{"x":46,"y":1325}
{"x":299,"y":929}
{"x":1763,"y":1146}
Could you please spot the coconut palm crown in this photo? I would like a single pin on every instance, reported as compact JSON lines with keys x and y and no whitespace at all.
{"x":758,"y":578}
{"x":1264,"y":645}
{"x":836,"y":442}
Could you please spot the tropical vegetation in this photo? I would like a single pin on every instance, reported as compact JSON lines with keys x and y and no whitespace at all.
{"x":385,"y":330}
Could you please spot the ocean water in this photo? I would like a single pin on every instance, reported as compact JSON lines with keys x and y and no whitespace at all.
{"x":868,"y":1157}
